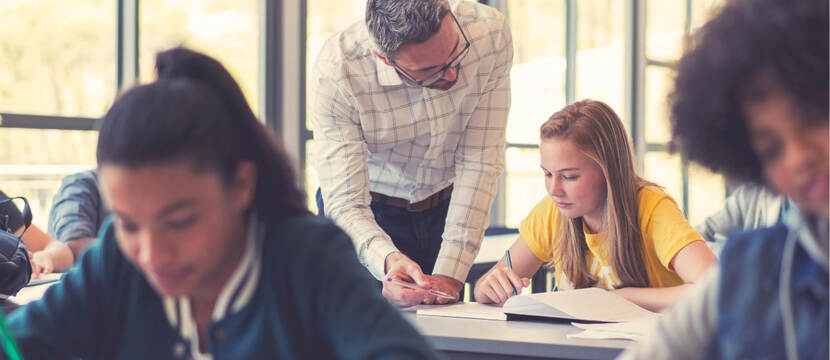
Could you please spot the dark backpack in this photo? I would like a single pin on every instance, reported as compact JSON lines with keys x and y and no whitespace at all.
{"x":15,"y":268}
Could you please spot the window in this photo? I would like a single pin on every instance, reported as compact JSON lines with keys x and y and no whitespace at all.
{"x":324,"y":19}
{"x":668,"y":23}
{"x":57,"y":64}
{"x":540,"y":84}
{"x":600,"y":56}
{"x":62,"y":75}
{"x":580,"y":52}
{"x":537,"y":84}
{"x":227,"y":30}
{"x":33,"y":162}
{"x":57,"y":57}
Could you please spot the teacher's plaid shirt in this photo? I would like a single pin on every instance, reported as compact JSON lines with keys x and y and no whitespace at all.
{"x":374,"y":132}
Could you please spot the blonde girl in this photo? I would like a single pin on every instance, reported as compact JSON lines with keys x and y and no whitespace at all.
{"x":601,"y":225}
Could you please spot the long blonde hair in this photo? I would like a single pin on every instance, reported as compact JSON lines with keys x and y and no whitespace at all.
{"x":598,"y":132}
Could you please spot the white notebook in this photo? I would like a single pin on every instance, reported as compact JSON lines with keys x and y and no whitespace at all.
{"x":590,"y":304}
{"x":470,"y":310}
{"x":631,"y":330}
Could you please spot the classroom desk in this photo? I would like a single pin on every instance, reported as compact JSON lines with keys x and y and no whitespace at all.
{"x":493,"y":339}
{"x":35,"y":289}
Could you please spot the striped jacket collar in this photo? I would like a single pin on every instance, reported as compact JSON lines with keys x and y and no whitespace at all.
{"x":236,"y":293}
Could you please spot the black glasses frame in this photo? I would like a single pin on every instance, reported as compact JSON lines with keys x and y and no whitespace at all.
{"x":434,"y":77}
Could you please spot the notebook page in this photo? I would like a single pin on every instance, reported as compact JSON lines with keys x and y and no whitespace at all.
{"x":637,"y":327}
{"x":591,"y":304}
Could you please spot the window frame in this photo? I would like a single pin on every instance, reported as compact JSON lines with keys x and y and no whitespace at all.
{"x":282,"y":87}
{"x":636,"y":63}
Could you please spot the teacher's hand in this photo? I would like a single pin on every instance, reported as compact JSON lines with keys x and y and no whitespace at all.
{"x":446,"y":285}
{"x":400,"y":267}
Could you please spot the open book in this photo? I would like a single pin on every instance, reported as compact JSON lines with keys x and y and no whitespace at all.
{"x":590,"y":304}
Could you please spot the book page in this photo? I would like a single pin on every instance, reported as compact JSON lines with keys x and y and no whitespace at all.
{"x":30,"y":293}
{"x":637,"y":327}
{"x":591,"y":304}
{"x":45,"y":278}
{"x":604,"y":335}
{"x":470,"y":310}
{"x":630,"y":330}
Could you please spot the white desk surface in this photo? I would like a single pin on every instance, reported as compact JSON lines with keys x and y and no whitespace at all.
{"x":31,"y":293}
{"x":504,"y":339}
{"x":472,"y":338}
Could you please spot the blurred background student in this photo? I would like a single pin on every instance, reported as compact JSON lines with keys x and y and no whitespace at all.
{"x":45,"y":253}
{"x":77,"y":211}
{"x":749,"y":207}
{"x":751,"y":100}
{"x":212,"y":252}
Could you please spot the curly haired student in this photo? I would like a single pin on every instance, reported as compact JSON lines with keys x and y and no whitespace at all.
{"x":751,"y":101}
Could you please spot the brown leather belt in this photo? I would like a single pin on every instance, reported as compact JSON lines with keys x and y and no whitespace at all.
{"x":431,"y":202}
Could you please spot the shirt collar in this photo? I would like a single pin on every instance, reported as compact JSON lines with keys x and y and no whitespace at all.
{"x":236,"y":293}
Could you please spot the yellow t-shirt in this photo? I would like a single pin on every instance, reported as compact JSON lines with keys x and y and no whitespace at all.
{"x":664,"y":228}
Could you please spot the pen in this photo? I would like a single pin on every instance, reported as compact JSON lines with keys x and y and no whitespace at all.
{"x":418,"y":287}
{"x":510,"y":266}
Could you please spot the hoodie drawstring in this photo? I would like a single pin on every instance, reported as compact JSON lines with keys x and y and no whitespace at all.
{"x":784,"y":296}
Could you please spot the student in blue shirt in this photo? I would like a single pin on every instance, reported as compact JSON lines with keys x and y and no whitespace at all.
{"x":211,"y":252}
{"x":77,"y":211}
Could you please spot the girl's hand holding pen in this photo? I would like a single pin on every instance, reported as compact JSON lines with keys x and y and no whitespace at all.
{"x":498,"y":285}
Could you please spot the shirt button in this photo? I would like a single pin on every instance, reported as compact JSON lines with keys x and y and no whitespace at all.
{"x":178,"y":351}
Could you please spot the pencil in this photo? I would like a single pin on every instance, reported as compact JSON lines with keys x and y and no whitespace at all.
{"x":510,"y":266}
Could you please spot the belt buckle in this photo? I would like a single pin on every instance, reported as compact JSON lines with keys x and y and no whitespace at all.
{"x":409,"y":207}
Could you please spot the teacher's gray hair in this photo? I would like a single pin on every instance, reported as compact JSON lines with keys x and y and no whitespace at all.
{"x":395,"y":23}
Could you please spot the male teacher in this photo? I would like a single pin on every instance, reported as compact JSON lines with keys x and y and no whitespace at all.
{"x":409,"y":111}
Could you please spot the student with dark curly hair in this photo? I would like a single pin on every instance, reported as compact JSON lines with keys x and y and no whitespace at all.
{"x":751,"y":101}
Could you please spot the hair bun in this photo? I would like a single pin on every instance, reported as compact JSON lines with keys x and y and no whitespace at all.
{"x":202,"y":71}
{"x":181,"y":62}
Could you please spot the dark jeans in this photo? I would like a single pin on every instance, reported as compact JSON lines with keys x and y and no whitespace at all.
{"x":416,"y":234}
